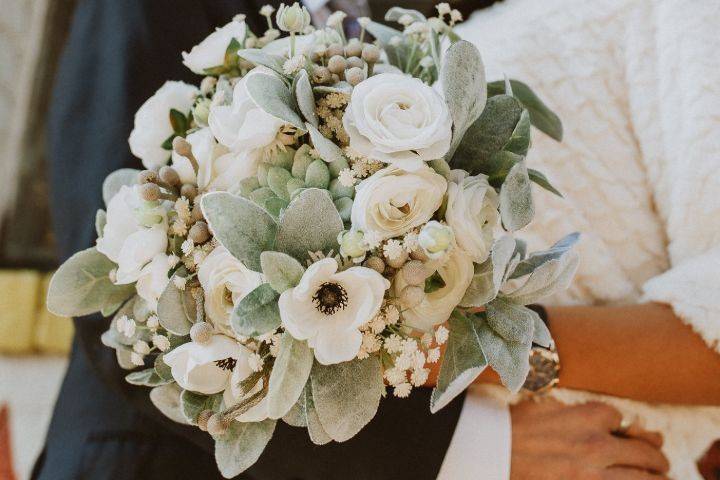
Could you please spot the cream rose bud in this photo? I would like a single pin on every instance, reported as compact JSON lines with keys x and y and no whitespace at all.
{"x":397,"y":119}
{"x":352,"y":244}
{"x":218,"y":168}
{"x":455,"y":276}
{"x":153,"y":279}
{"x":472,"y":212}
{"x":211,"y":52}
{"x":392,"y":202}
{"x":328,"y":307}
{"x":436,"y":239}
{"x":206,"y":368}
{"x":126,"y":240}
{"x":242,"y":126}
{"x":152,"y":122}
{"x":225,"y":281}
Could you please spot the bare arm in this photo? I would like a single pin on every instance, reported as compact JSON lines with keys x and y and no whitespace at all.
{"x":643,"y":352}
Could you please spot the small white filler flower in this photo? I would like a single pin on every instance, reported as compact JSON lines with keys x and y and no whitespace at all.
{"x":328,"y":308}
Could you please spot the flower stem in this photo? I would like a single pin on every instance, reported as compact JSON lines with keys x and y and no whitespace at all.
{"x":292,"y":44}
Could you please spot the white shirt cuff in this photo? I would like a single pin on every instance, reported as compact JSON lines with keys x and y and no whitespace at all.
{"x":481,"y":445}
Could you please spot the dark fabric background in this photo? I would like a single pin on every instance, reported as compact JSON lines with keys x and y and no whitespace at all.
{"x":118,"y":53}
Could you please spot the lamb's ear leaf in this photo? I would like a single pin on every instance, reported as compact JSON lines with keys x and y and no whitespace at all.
{"x":347,"y":395}
{"x":541,"y":333}
{"x":281,"y":270}
{"x":540,"y":178}
{"x":240,"y":225}
{"x":258,"y":57}
{"x":326,"y":148}
{"x":487,"y":135}
{"x":513,"y":322}
{"x":241,"y":445}
{"x":519,"y":141}
{"x":462,"y":363}
{"x":146,"y":378}
{"x":550,"y":277}
{"x":82,"y":285}
{"x":100,"y":222}
{"x":310,"y":223}
{"x":176,"y":309}
{"x":516,"y":203}
{"x":394,"y":14}
{"x":166,"y":398}
{"x":289,"y":375}
{"x":194,"y":403}
{"x":257,"y":313}
{"x":535,"y":259}
{"x":462,"y":77}
{"x":541,"y":116}
{"x":489,"y":275}
{"x":383,"y":33}
{"x":273,"y":96}
{"x":509,"y":359}
{"x":304,"y":414}
{"x":305,"y":97}
{"x":117,"y":179}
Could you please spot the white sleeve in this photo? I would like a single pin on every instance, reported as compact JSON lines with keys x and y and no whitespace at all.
{"x":674,"y":78}
{"x":481,"y":445}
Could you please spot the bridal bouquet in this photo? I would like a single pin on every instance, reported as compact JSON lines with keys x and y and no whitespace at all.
{"x":317,"y":224}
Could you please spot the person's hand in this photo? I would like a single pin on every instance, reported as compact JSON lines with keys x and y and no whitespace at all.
{"x":709,"y":464}
{"x":553,"y":441}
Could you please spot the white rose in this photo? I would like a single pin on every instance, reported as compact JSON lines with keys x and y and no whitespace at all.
{"x":242,"y":125}
{"x":218,"y":168}
{"x":225,"y":281}
{"x":211,"y":52}
{"x":456,"y":273}
{"x":152,"y":122}
{"x":392,"y":201}
{"x":126,"y":241}
{"x":153,"y":279}
{"x":472,"y":212}
{"x":206,"y":367}
{"x":398,"y":119}
{"x":327,"y":308}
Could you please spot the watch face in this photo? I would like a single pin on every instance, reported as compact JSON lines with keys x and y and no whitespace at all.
{"x":544,"y":369}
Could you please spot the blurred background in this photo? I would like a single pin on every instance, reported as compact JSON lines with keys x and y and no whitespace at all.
{"x":33,"y":343}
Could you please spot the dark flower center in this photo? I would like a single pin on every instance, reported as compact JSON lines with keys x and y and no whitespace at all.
{"x":330,"y":298}
{"x":226,"y":363}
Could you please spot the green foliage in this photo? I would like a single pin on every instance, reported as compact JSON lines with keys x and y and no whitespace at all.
{"x":289,"y":375}
{"x":272,"y":95}
{"x":166,"y":398}
{"x":305,"y":98}
{"x":117,"y":179}
{"x":82,"y":285}
{"x":344,"y":207}
{"x":240,"y":447}
{"x":257,"y":313}
{"x":560,"y":248}
{"x":176,"y":309}
{"x":347,"y":395}
{"x":490,"y":275}
{"x":516,"y":203}
{"x":100,"y":222}
{"x":147,"y":378}
{"x":394,"y":14}
{"x":325,"y":147}
{"x":541,"y":116}
{"x":242,"y":227}
{"x":513,"y":322}
{"x":549,"y":277}
{"x":258,"y":57}
{"x":280,"y":270}
{"x":317,"y":175}
{"x":277,"y":179}
{"x":304,"y":414}
{"x":193,"y":403}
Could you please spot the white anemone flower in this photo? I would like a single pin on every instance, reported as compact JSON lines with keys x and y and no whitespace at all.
{"x":328,"y":307}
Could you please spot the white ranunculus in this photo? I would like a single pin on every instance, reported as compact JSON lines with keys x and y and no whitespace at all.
{"x":206,"y":367}
{"x":211,"y":52}
{"x":153,"y":280}
{"x":472,"y":212}
{"x":328,"y":307}
{"x":242,"y":126}
{"x":456,"y":273}
{"x":392,"y":201}
{"x":126,"y":241}
{"x":152,"y":122}
{"x":218,"y":168}
{"x":398,"y":119}
{"x":225,"y":281}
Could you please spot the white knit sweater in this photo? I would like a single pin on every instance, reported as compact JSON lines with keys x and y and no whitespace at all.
{"x":637,"y":85}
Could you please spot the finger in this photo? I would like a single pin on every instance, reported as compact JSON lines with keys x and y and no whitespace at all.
{"x":630,"y":474}
{"x":600,"y":414}
{"x":630,"y":452}
{"x":635,"y":430}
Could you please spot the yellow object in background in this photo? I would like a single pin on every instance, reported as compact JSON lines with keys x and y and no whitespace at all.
{"x":26,"y":326}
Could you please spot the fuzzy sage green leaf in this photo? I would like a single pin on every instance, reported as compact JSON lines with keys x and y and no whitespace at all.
{"x":310,"y":223}
{"x":489,"y":276}
{"x":541,"y":116}
{"x":176,"y":309}
{"x":327,"y":150}
{"x":241,"y":445}
{"x":147,"y":378}
{"x":509,"y":359}
{"x":193,"y":403}
{"x":513,"y":322}
{"x":272,"y":95}
{"x":536,"y":259}
{"x":516,"y":204}
{"x":257,"y":313}
{"x":281,"y":270}
{"x":289,"y":375}
{"x":304,"y":414}
{"x":116,"y":180}
{"x":258,"y":57}
{"x":241,"y":226}
{"x":550,"y":277}
{"x":82,"y":285}
{"x":305,"y":98}
{"x":347,"y":395}
{"x":166,"y":398}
